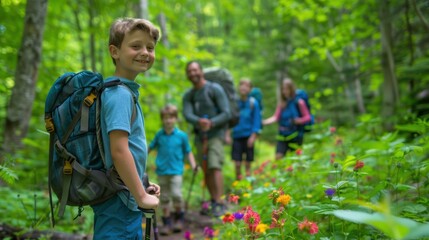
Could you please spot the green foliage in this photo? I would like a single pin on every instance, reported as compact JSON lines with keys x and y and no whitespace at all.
{"x":265,"y":41}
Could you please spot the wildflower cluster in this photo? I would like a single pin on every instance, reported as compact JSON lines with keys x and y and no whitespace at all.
{"x":309,"y":227}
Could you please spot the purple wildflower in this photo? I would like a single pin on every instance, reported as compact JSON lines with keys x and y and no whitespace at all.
{"x":188,"y":235}
{"x":238,"y":215}
{"x":330,"y":192}
{"x":208,"y":232}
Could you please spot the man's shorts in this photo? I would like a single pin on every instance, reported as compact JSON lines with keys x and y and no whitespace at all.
{"x":113,"y":220}
{"x":239,"y":148}
{"x":171,"y":186}
{"x":215,"y":156}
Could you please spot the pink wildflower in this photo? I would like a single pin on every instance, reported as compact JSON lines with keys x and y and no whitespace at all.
{"x":309,"y":227}
{"x":252,"y":219}
{"x":298,"y":152}
{"x":359,"y":165}
{"x":233,"y":198}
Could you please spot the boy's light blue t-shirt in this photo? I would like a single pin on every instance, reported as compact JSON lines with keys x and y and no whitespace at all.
{"x":116,"y":113}
{"x":171,"y":151}
{"x":250,"y":119}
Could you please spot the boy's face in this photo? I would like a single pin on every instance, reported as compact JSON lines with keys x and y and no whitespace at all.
{"x":169,"y":121}
{"x":244,"y":89}
{"x":136,"y":54}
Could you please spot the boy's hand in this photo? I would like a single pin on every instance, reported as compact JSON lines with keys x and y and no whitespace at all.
{"x":195,"y":168}
{"x":251,"y":141}
{"x":154,"y":189}
{"x":149,"y":202}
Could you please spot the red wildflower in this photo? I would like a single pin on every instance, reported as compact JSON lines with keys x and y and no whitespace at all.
{"x":359,"y":165}
{"x":252,"y":219}
{"x":233,"y":198}
{"x":298,"y":152}
{"x":290,"y":168}
{"x":309,"y":227}
{"x":228,"y":218}
{"x":332,"y":129}
{"x":333,"y":155}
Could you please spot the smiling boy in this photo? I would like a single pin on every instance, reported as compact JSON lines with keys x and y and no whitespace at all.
{"x":132,"y":48}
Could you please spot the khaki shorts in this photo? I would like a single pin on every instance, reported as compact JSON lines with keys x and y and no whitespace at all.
{"x":171,"y":190}
{"x":216,"y":153}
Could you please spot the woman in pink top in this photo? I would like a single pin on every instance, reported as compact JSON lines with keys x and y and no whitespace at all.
{"x":291,"y":114}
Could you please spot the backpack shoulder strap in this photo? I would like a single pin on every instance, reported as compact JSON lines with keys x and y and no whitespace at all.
{"x":252,"y":102}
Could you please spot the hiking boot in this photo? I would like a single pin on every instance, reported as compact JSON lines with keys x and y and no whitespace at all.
{"x":165,"y":229}
{"x":179,"y":218}
{"x":205,"y":208}
{"x":218,"y":209}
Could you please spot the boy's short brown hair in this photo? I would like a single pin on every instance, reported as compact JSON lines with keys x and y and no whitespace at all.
{"x":169,"y":109}
{"x":122,"y":26}
{"x":246,"y":81}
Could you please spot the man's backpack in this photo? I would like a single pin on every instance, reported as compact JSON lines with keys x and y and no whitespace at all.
{"x":224,"y":78}
{"x":302,"y":94}
{"x":77,"y":172}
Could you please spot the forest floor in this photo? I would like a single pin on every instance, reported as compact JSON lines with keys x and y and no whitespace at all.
{"x":194,"y":223}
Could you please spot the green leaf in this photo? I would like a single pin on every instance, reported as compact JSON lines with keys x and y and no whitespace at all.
{"x":394,"y":227}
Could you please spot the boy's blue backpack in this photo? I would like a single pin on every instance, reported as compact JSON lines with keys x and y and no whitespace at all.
{"x":256,"y":95}
{"x":76,"y":157}
{"x":302,"y":94}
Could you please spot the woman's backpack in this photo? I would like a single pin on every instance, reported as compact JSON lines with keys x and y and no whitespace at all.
{"x":302,"y":94}
{"x":77,"y":172}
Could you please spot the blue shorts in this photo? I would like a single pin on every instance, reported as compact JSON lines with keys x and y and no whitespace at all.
{"x":113,"y":220}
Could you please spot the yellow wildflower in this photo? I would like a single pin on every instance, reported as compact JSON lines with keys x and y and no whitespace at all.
{"x":284,"y":199}
{"x":262,"y":227}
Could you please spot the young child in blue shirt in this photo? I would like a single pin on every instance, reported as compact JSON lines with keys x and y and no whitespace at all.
{"x":172,"y":147}
{"x":132,"y":48}
{"x":246,"y":131}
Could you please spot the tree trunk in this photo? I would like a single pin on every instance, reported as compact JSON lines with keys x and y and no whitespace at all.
{"x":164,"y":39}
{"x":91,"y":11}
{"x":390,"y":85}
{"x":357,"y":83}
{"x":75,"y":9}
{"x":29,"y":56}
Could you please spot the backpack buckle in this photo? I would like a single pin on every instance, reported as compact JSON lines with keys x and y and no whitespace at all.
{"x":49,"y":124}
{"x":89,"y":100}
{"x":67,"y":169}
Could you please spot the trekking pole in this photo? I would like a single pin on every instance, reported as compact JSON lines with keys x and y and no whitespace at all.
{"x":150,"y":215}
{"x":190,"y":188}
{"x":205,"y":157}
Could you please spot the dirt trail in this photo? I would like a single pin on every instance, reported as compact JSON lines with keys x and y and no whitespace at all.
{"x":194,"y":222}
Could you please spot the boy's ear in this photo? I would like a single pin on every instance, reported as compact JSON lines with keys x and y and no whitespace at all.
{"x":113,"y":51}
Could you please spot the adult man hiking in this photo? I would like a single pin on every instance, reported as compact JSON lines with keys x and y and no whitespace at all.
{"x":206,"y":107}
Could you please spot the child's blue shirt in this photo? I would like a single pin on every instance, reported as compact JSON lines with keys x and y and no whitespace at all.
{"x":250,"y":119}
{"x":171,"y":151}
{"x":116,"y":114}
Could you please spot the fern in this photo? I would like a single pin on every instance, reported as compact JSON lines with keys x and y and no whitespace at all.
{"x":7,"y":175}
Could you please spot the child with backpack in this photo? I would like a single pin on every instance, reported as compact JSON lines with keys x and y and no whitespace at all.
{"x":132,"y":48}
{"x":291,"y":114}
{"x":172,"y":147}
{"x":246,"y":131}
